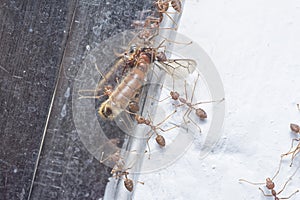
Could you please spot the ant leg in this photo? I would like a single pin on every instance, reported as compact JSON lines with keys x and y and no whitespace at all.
{"x":203,"y":102}
{"x":294,"y":152}
{"x":193,"y":92}
{"x":160,"y":100}
{"x":175,"y":24}
{"x":174,"y":42}
{"x":165,"y":118}
{"x":148,"y":143}
{"x":165,"y":130}
{"x":290,"y":195}
{"x":90,"y":97}
{"x":297,"y":150}
{"x":141,"y":182}
{"x":267,"y":195}
{"x":277,"y":172}
{"x":290,"y":178}
{"x":185,"y":114}
{"x":252,"y":183}
{"x":190,"y":119}
{"x":292,"y":145}
{"x":185,"y":91}
{"x":115,"y":157}
{"x":96,"y":90}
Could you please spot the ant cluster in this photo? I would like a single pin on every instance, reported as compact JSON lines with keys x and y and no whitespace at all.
{"x":133,"y":67}
{"x":270,"y":185}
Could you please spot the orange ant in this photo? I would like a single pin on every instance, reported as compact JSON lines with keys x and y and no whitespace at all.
{"x":117,"y":169}
{"x":160,"y":140}
{"x":200,"y":113}
{"x":119,"y":172}
{"x":128,"y":183}
{"x":270,"y":185}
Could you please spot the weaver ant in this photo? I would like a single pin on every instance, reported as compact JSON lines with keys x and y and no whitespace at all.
{"x":270,"y":185}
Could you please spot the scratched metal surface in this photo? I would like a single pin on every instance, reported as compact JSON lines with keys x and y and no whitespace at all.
{"x":42,"y":46}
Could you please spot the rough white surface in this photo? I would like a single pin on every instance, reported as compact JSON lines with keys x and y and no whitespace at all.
{"x":255,"y":45}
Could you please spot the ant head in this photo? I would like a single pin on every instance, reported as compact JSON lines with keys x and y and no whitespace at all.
{"x":174,"y":95}
{"x":147,"y":122}
{"x":140,"y":119}
{"x":162,"y":6}
{"x":270,"y":184}
{"x":295,"y":128}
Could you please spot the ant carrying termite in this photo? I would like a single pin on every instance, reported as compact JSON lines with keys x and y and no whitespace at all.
{"x":270,"y":185}
{"x":295,"y":128}
{"x":128,"y":88}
